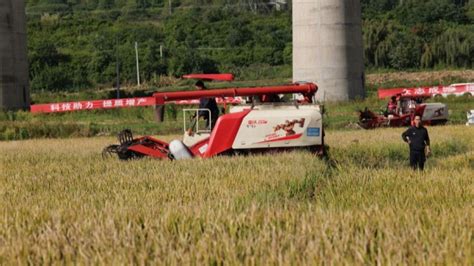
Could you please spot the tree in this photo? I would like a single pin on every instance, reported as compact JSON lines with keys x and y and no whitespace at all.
{"x":406,"y":53}
{"x":455,"y":47}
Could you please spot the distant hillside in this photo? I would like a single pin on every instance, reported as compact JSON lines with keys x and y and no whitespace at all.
{"x":78,"y":43}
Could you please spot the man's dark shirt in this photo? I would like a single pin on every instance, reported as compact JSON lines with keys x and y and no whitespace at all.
{"x":208,"y":103}
{"x":418,"y":138}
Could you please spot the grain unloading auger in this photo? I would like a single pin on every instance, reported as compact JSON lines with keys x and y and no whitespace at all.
{"x":260,"y":126}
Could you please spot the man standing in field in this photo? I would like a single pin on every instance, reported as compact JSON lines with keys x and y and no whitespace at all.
{"x":418,"y":139}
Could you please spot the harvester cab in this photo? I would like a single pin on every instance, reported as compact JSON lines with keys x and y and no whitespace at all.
{"x":194,"y":129}
{"x":256,"y":127}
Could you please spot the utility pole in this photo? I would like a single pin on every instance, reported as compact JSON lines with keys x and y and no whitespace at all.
{"x":138,"y":68}
{"x":117,"y":69}
{"x":161,"y":51}
{"x":169,"y":5}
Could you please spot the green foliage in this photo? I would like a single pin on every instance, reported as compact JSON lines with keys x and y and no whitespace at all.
{"x":455,"y":46}
{"x":405,"y":50}
{"x":75,"y":44}
{"x":413,"y":12}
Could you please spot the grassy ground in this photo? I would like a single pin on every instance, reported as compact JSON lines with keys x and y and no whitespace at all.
{"x":61,"y":203}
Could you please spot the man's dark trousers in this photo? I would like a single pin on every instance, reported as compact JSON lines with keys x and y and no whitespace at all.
{"x":417,"y":159}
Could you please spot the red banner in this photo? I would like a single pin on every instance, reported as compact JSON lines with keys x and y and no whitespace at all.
{"x":114,"y":103}
{"x":455,"y":89}
{"x":91,"y":105}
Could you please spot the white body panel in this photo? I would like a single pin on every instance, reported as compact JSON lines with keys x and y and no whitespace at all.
{"x":470,"y":118}
{"x":435,"y":111}
{"x":452,"y":90}
{"x":279,"y":126}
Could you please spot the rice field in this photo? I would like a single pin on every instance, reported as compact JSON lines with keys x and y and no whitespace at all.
{"x":61,"y":203}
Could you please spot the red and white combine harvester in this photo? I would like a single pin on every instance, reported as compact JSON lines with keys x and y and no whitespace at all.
{"x":407,"y":108}
{"x":254,"y":127}
{"x":409,"y":103}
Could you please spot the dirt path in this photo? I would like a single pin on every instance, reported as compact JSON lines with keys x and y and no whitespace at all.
{"x":426,"y":77}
